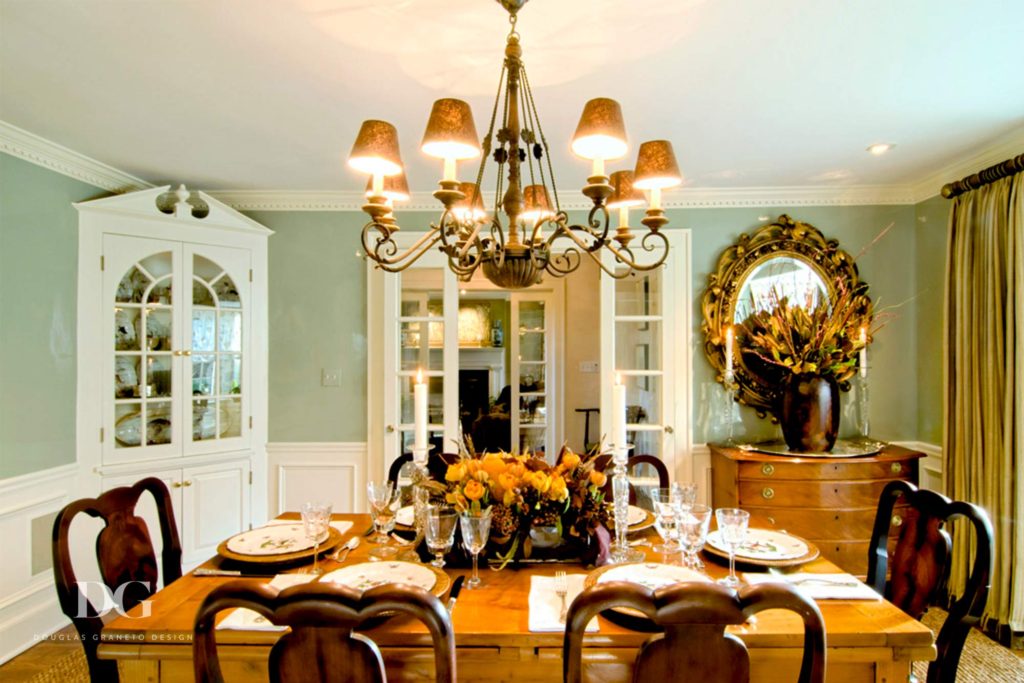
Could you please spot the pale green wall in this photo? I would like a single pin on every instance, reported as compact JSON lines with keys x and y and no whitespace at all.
{"x":932,"y":231}
{"x":38,"y":272}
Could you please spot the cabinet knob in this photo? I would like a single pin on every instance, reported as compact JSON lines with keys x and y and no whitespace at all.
{"x":185,"y":352}
{"x":175,"y":484}
{"x":896,"y":520}
{"x":767,"y":493}
{"x":767,"y":469}
{"x":896,"y":468}
{"x":390,"y":429}
{"x":187,"y":482}
{"x":669,"y":430}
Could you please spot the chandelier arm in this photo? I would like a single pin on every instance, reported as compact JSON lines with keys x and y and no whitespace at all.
{"x":385,"y":252}
{"x":624,"y":255}
{"x":570,"y":258}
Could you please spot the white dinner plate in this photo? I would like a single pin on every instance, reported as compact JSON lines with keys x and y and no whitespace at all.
{"x":405,"y":516}
{"x":636,"y":515}
{"x":651,"y":574}
{"x":277,"y":539}
{"x":762,"y":544}
{"x":367,"y":575}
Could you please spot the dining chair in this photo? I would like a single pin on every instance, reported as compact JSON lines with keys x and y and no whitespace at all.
{"x":604,"y":463}
{"x":127,"y":561}
{"x":919,"y":565}
{"x":694,"y":616}
{"x":321,"y":645}
{"x":437,"y":465}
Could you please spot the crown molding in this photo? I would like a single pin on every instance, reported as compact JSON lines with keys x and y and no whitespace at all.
{"x":931,"y":185}
{"x":28,"y":146}
{"x":686,"y":198}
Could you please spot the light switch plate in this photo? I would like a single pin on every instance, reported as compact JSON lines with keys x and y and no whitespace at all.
{"x":589,"y":366}
{"x":330,"y":378}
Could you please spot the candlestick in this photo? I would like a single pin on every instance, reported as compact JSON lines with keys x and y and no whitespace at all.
{"x":420,"y":413}
{"x":729,"y":339}
{"x":864,"y":351}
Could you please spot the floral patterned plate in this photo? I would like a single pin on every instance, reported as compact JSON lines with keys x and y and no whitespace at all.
{"x":765,"y":547}
{"x":276,"y":543}
{"x":639,"y":518}
{"x":366,"y":575}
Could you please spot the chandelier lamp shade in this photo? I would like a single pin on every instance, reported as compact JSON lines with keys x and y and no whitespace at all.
{"x":525,"y":233}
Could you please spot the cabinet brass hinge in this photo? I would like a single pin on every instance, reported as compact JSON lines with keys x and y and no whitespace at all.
{"x":250,"y":478}
{"x":250,"y":422}
{"x":103,"y":263}
{"x":101,"y":434}
{"x":250,"y":275}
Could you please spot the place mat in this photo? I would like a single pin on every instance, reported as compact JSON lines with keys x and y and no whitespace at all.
{"x":766,"y":548}
{"x":274,"y":531}
{"x":366,"y":575}
{"x":545,"y":605}
{"x":820,"y":586}
{"x":244,"y":619}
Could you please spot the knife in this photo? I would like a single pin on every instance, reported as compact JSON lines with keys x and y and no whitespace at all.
{"x":454,"y":594}
{"x":203,"y":571}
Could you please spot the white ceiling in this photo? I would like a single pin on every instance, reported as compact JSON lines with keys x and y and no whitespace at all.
{"x":269,"y":94}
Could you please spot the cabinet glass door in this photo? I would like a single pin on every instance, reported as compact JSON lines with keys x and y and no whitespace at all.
{"x":140,"y":285}
{"x":218,"y":318}
{"x":532,"y":354}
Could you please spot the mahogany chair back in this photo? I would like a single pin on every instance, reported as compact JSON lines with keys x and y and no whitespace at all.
{"x":437,"y":465}
{"x":604,"y":464}
{"x":694,"y":616}
{"x":321,"y":645}
{"x":920,"y":563}
{"x":127,"y":561}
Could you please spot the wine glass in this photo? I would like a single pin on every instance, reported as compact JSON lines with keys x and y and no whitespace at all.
{"x":475,"y":530}
{"x":732,"y":524}
{"x":684,"y":494}
{"x":316,"y":516}
{"x":693,"y":531}
{"x":440,"y":532}
{"x":381,"y":496}
{"x":665,"y":521}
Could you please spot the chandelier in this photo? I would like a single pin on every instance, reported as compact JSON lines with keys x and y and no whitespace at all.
{"x":535,"y":236}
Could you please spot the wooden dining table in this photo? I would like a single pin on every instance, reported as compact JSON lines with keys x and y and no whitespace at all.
{"x":866,"y":640}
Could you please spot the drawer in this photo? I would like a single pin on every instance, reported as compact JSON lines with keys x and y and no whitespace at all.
{"x":810,"y":494}
{"x":902,"y":469}
{"x":844,"y":525}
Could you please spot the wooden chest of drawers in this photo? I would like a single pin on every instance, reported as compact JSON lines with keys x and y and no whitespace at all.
{"x":830,"y":502}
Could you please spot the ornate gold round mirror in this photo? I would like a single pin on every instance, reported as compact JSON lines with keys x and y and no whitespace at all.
{"x":788,"y":259}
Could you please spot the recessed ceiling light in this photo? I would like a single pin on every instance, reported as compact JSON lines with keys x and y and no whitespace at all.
{"x":880,"y":148}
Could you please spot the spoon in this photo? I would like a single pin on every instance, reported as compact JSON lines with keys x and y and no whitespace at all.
{"x":341,"y":554}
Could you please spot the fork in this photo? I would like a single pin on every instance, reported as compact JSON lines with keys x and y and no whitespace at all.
{"x":561,"y":590}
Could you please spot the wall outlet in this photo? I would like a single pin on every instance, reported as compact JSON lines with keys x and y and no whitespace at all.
{"x":589,"y":366}
{"x":330,"y":378}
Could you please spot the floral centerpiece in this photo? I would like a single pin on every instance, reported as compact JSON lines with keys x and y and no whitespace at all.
{"x":560,"y":506}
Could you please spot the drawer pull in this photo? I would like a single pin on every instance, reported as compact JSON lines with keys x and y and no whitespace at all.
{"x":896,"y":520}
{"x":896,"y":468}
{"x":767,"y":493}
{"x":771,"y":520}
{"x":767,"y":469}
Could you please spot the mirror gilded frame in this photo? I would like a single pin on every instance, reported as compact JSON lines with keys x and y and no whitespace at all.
{"x":785,"y":237}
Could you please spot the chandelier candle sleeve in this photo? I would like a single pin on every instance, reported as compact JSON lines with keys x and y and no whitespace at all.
{"x":730,"y":335}
{"x":420,"y":407}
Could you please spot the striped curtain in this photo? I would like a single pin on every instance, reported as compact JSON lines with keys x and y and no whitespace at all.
{"x":983,"y":407}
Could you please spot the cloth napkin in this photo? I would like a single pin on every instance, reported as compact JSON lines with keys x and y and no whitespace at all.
{"x":342,"y":527}
{"x":545,"y":605}
{"x":820,"y":586}
{"x":243,"y":619}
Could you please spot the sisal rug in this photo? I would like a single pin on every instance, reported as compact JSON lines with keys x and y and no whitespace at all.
{"x":68,"y":668}
{"x":983,"y":660}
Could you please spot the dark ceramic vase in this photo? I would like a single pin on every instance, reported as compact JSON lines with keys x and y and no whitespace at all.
{"x":809,"y":413}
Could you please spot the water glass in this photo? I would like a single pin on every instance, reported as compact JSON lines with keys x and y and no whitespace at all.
{"x":382,"y":499}
{"x":316,"y":519}
{"x":665,"y":521}
{"x":693,"y":531}
{"x":440,"y":532}
{"x":476,"y":529}
{"x":732,"y":524}
{"x":684,"y":494}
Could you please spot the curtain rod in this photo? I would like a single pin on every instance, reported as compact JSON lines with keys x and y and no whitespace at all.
{"x":989,"y":175}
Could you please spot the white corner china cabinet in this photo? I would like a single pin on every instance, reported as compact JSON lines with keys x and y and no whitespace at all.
{"x":172,"y":356}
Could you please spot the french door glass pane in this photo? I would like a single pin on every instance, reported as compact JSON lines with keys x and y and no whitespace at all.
{"x":421,"y":332}
{"x":638,"y":345}
{"x":638,"y":295}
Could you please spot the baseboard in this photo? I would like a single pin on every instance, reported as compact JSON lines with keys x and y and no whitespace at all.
{"x":29,"y":610}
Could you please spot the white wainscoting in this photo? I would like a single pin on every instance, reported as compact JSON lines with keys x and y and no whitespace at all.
{"x":28,"y":606}
{"x":332,"y":471}
{"x":701,"y":455}
{"x":930,"y":472}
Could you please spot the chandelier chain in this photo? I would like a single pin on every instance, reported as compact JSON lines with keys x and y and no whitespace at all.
{"x":543,"y":141}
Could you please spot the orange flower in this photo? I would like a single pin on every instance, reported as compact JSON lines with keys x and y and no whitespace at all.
{"x":456,"y":472}
{"x":474,"y":490}
{"x":558,"y":489}
{"x":493,"y":464}
{"x":597,"y":478}
{"x":570,"y":459}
